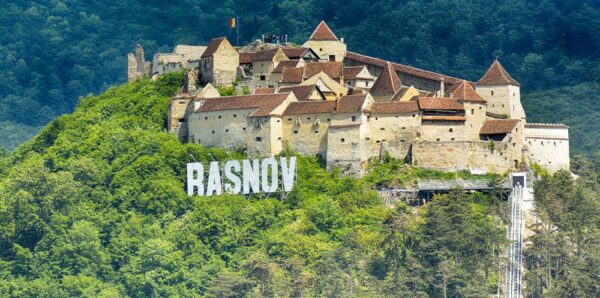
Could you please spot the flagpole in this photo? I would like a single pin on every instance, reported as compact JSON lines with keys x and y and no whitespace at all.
{"x":237,"y":30}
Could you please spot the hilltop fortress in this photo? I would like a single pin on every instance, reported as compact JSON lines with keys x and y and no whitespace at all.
{"x":321,"y":99}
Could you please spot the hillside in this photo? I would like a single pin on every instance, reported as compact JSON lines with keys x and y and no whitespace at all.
{"x":95,"y":206}
{"x":53,"y":52}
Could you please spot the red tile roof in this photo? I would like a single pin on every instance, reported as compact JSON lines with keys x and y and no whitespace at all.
{"x":263,"y":103}
{"x":388,"y":83}
{"x":497,"y":75}
{"x":246,"y":58}
{"x":350,"y":72}
{"x":401,"y":68}
{"x":264,"y":91}
{"x":213,"y":46}
{"x":285,"y":64}
{"x":292,"y":75}
{"x":294,"y":53}
{"x":302,"y":92}
{"x":444,"y":118}
{"x":332,"y":69}
{"x":265,"y":55}
{"x":395,"y":107}
{"x":465,"y":91}
{"x":322,"y":32}
{"x":310,"y":107}
{"x":492,"y":127}
{"x":440,"y":103}
{"x":351,"y":103}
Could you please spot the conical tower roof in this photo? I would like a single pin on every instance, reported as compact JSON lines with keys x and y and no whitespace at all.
{"x":465,"y":91}
{"x":497,"y":75}
{"x":322,"y":32}
{"x":388,"y":83}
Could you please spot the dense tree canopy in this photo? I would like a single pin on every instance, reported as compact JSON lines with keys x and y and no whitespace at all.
{"x":94,"y":206}
{"x":55,"y":51}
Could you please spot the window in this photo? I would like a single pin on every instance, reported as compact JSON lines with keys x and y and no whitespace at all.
{"x":258,"y":139}
{"x":307,"y":118}
{"x":181,"y":120}
{"x":289,"y":119}
{"x":279,"y":138}
{"x":328,"y":119}
{"x":295,"y":131}
{"x":278,"y":121}
{"x":234,"y":115}
{"x":226,"y":130}
{"x":367,"y":138}
{"x":450,"y":130}
{"x":376,"y":118}
{"x":320,"y":49}
{"x":353,"y":118}
{"x":342,"y":140}
{"x":213,"y":132}
{"x":451,"y":139}
{"x":403,"y":127}
{"x":219,"y":116}
{"x":244,"y":129}
{"x":205,"y":118}
{"x":367,"y":84}
{"x":383,"y":128}
{"x":492,"y":92}
{"x":472,"y":111}
{"x":332,"y":58}
{"x":316,"y":131}
{"x":438,"y":139}
{"x":502,"y":105}
{"x":263,"y":78}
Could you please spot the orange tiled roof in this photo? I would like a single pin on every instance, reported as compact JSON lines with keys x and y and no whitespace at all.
{"x":444,"y":118}
{"x":310,"y":107}
{"x":294,"y":53}
{"x":350,"y":72}
{"x":264,"y":90}
{"x":440,"y":103}
{"x":285,"y":64}
{"x":465,"y":91}
{"x":292,"y":75}
{"x":246,"y":58}
{"x":351,"y":103}
{"x":302,"y":92}
{"x":395,"y":107}
{"x":263,"y":103}
{"x":322,"y":32}
{"x":401,"y":68}
{"x":212,"y":47}
{"x":491,"y":127}
{"x":497,"y":75}
{"x":388,"y":83}
{"x":332,"y":69}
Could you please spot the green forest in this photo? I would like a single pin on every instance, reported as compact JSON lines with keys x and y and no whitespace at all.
{"x":94,"y":206}
{"x":54,"y":52}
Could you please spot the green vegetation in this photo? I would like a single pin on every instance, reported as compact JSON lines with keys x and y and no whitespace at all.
{"x":53,"y":52}
{"x":95,"y":206}
{"x":564,"y":257}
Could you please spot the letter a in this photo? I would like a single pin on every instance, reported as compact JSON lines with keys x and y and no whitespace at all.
{"x":214,"y":179}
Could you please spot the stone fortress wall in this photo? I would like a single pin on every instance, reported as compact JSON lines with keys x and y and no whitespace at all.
{"x":429,"y":119}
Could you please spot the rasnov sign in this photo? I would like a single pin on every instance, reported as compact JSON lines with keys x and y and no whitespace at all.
{"x":245,"y":177}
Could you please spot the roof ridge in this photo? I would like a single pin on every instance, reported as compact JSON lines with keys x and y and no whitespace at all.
{"x":323,"y":32}
{"x":388,"y":83}
{"x":497,"y":75}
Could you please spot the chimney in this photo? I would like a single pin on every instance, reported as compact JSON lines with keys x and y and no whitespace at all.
{"x":442,"y":87}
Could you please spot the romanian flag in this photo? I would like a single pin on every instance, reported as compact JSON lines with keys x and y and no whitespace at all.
{"x":232,"y":23}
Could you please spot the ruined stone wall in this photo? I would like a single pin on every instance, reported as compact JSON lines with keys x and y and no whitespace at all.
{"x":131,"y":68}
{"x":177,"y":111}
{"x":549,"y":146}
{"x":259,"y":137}
{"x":206,"y":71}
{"x":444,"y":131}
{"x":347,"y":149}
{"x":490,"y":157}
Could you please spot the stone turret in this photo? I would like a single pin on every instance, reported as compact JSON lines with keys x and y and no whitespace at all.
{"x":326,"y":44}
{"x":137,"y":66}
{"x":502,"y":92}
